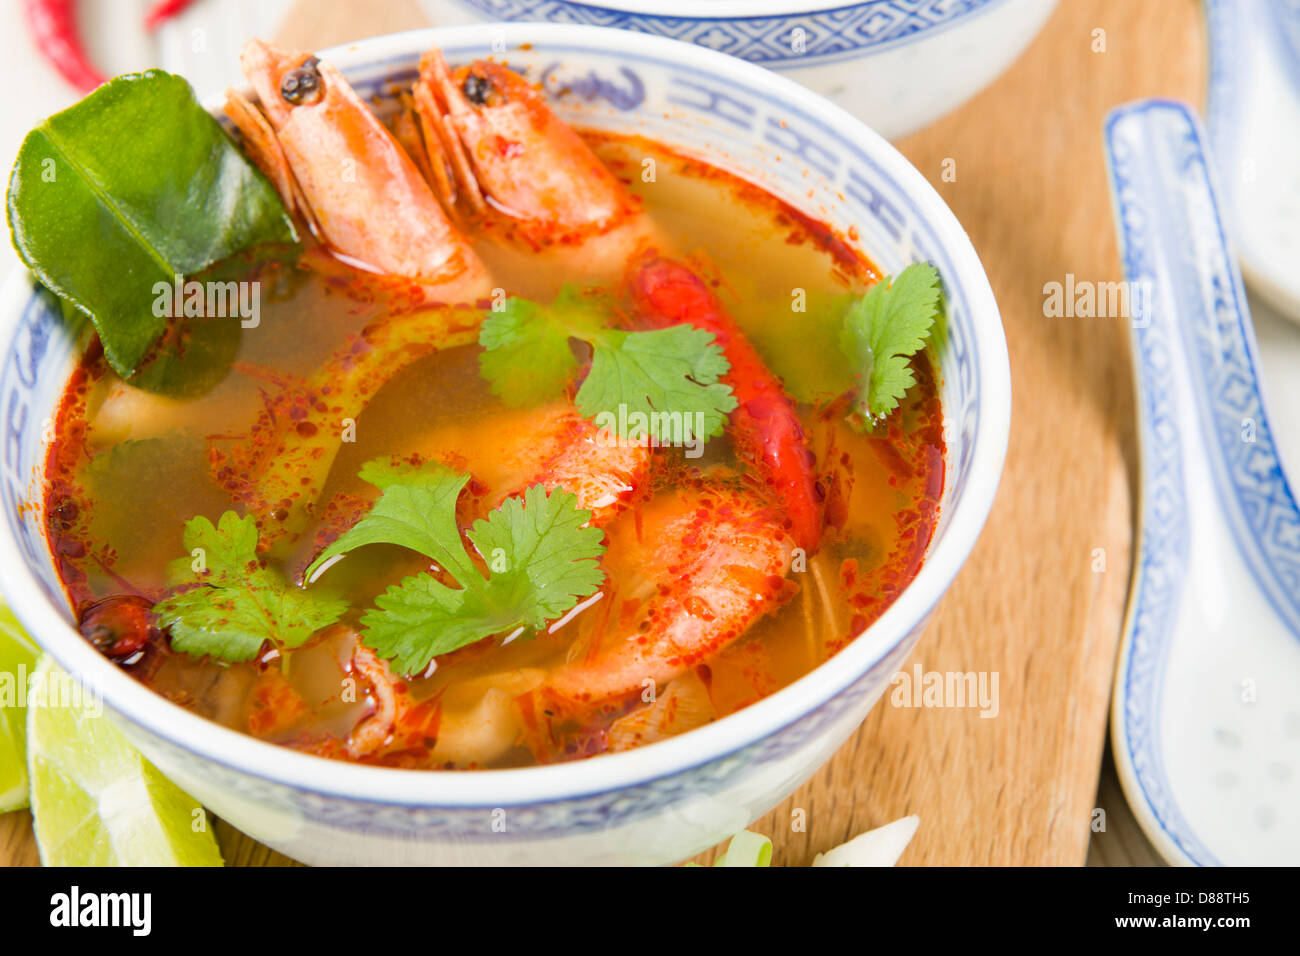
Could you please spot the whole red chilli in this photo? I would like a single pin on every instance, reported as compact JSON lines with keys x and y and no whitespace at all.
{"x":54,"y":27}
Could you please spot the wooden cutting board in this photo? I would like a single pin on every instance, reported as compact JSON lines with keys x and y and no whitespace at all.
{"x":1041,"y":600}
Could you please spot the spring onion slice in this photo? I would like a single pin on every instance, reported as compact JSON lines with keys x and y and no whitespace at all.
{"x":879,"y":847}
{"x":747,"y":849}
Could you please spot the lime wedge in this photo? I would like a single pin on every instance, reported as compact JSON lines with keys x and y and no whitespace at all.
{"x":95,"y":800}
{"x":17,"y":661}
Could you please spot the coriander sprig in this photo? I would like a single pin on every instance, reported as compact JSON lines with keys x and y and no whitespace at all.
{"x":527,"y":359}
{"x":882,"y":331}
{"x":541,"y":554}
{"x":228,"y":603}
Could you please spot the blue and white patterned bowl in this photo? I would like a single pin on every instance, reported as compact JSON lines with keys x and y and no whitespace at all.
{"x":666,"y":801}
{"x":895,"y":64}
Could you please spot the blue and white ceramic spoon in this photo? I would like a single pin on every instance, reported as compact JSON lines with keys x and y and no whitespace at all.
{"x":1206,"y":711}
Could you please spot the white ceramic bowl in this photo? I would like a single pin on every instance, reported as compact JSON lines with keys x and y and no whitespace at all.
{"x":895,"y":64}
{"x":663,"y":802}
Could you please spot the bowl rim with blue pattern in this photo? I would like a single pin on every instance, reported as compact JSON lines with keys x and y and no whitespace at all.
{"x":984,"y":372}
{"x":760,"y":31}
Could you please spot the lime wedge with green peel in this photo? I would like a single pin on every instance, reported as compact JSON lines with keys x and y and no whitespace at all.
{"x":17,"y":661}
{"x":95,"y":800}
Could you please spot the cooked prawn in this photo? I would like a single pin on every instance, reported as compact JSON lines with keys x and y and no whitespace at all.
{"x":699,"y":567}
{"x":497,"y":151}
{"x":335,"y":164}
{"x":507,"y":148}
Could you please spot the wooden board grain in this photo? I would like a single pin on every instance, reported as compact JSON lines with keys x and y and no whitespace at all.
{"x":1033,"y":604}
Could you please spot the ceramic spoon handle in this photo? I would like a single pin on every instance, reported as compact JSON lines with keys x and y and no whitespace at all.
{"x":1194,"y":345}
{"x":1216,"y":596}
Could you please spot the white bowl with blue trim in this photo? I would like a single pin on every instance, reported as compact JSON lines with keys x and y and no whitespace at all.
{"x":666,"y":801}
{"x":898,"y":65}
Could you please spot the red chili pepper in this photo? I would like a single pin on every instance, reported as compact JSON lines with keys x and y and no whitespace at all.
{"x":54,"y":25}
{"x":163,"y":11}
{"x":764,"y":426}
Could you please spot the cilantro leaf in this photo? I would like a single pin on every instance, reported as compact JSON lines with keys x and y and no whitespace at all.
{"x":543,"y":537}
{"x":417,"y":510}
{"x":540,"y":553}
{"x":527,"y":359}
{"x":664,"y":370}
{"x":234,"y":604}
{"x":415,"y":621}
{"x":884,"y":329}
